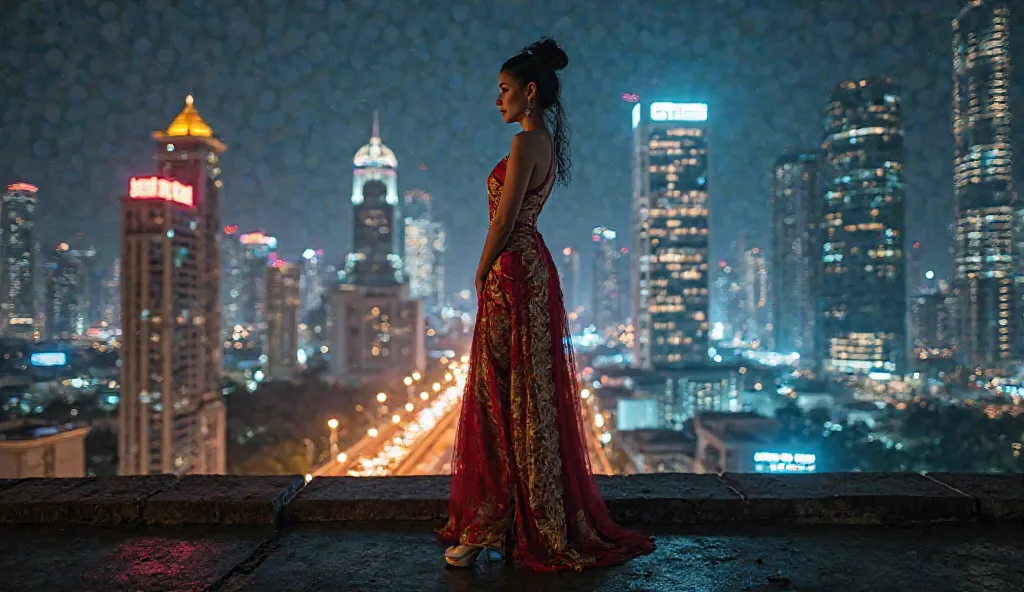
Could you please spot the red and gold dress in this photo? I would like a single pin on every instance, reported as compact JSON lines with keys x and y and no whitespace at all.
{"x":521,"y":478}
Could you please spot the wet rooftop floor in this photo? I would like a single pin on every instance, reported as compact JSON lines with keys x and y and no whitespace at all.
{"x":407,"y":557}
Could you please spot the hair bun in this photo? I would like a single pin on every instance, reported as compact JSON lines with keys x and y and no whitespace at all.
{"x":547,"y":51}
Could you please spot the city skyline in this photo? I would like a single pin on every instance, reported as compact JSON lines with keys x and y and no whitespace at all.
{"x":292,"y":128}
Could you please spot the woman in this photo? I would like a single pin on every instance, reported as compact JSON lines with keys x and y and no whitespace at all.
{"x":521,"y":480}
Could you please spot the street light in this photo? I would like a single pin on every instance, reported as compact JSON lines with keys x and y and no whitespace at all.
{"x":437,"y":387}
{"x":396,"y":418}
{"x":333,"y":424}
{"x":381,"y":397}
{"x":424,"y":395}
{"x":448,"y":376}
{"x":342,"y":457}
{"x":585,"y":393}
{"x":372,"y":432}
{"x":409,"y":407}
{"x":416,"y":376}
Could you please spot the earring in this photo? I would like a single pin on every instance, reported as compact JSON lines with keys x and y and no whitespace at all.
{"x":529,"y":108}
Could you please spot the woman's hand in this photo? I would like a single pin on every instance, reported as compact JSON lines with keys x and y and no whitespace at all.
{"x":480,"y":279}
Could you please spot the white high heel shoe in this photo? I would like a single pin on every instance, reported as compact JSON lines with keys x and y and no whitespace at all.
{"x":463,"y":555}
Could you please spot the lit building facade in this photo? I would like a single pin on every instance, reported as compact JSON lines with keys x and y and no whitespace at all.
{"x":376,"y":329}
{"x":312,"y":283}
{"x":232,"y":278}
{"x":67,"y":280}
{"x":171,"y":416}
{"x":377,"y":237}
{"x":284,"y":310}
{"x":863,"y":283}
{"x":796,"y":253}
{"x":932,"y":327}
{"x":606,"y":295}
{"x":258,"y":251}
{"x":112,"y":297}
{"x":756,"y":298}
{"x":983,"y":184}
{"x":425,"y":246}
{"x":18,"y":261}
{"x":568,"y":267}
{"x":669,"y":281}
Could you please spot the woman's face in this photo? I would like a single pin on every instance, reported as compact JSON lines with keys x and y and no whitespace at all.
{"x":512,"y":98}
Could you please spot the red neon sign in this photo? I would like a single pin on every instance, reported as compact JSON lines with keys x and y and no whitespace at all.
{"x":159,"y":188}
{"x":22,"y":187}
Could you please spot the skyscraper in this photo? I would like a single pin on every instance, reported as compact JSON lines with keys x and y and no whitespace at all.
{"x":425,"y":245}
{"x":171,"y":415}
{"x":377,"y":326}
{"x":112,"y":297}
{"x":377,"y":237}
{"x":756,"y":299}
{"x":796,"y":253}
{"x":983,"y":183}
{"x":669,"y":271}
{"x":863,"y":285}
{"x":606,"y":310}
{"x":18,"y":261}
{"x":568,"y":267}
{"x":312,"y":284}
{"x":233,"y":289}
{"x":284,"y":309}
{"x":258,"y":250}
{"x":66,"y":283}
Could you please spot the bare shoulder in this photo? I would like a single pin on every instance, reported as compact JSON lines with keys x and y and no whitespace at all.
{"x":531,"y":144}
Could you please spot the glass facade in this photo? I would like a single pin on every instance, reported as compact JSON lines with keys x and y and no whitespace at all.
{"x":17,"y":260}
{"x":796,"y":260}
{"x":606,"y":294}
{"x":377,"y":235}
{"x":863,"y":286}
{"x":983,"y":183}
{"x":669,"y":275}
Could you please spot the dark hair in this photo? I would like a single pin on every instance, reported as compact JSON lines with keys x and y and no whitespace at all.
{"x":539,"y":63}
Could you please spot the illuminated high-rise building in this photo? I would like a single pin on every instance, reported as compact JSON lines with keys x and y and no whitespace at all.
{"x":669,"y":269}
{"x":312,"y":284}
{"x":67,"y":299}
{"x":568,"y":267}
{"x":796,"y":253}
{"x":258,"y":251}
{"x":233,"y":288}
{"x":425,"y":246}
{"x":284,"y":310}
{"x":377,"y":329}
{"x":377,"y":238}
{"x":756,"y":298}
{"x":171,"y":416}
{"x":112,"y":297}
{"x":18,"y":261}
{"x":983,"y":184}
{"x":863,"y":284}
{"x":606,"y":296}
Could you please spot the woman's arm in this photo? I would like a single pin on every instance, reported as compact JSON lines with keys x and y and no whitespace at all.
{"x":517,"y":174}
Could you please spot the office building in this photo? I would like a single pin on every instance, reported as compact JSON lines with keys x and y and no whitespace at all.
{"x":67,"y":281}
{"x":425,"y":246}
{"x":258,"y":250}
{"x":932,"y":327}
{"x":756,"y":299}
{"x":171,"y":417}
{"x":863,"y":283}
{"x":983,"y":186}
{"x":669,"y":283}
{"x":377,"y":237}
{"x":313,"y":270}
{"x":606,"y":294}
{"x":284,"y":310}
{"x":796,"y":253}
{"x":377,"y":329}
{"x":18,"y":261}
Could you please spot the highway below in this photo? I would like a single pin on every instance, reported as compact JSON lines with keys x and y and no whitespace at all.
{"x":422,"y":441}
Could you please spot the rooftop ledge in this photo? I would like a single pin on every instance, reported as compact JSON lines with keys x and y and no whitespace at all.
{"x":659,"y":499}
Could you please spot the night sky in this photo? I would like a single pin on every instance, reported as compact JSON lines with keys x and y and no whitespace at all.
{"x":292,"y":91}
